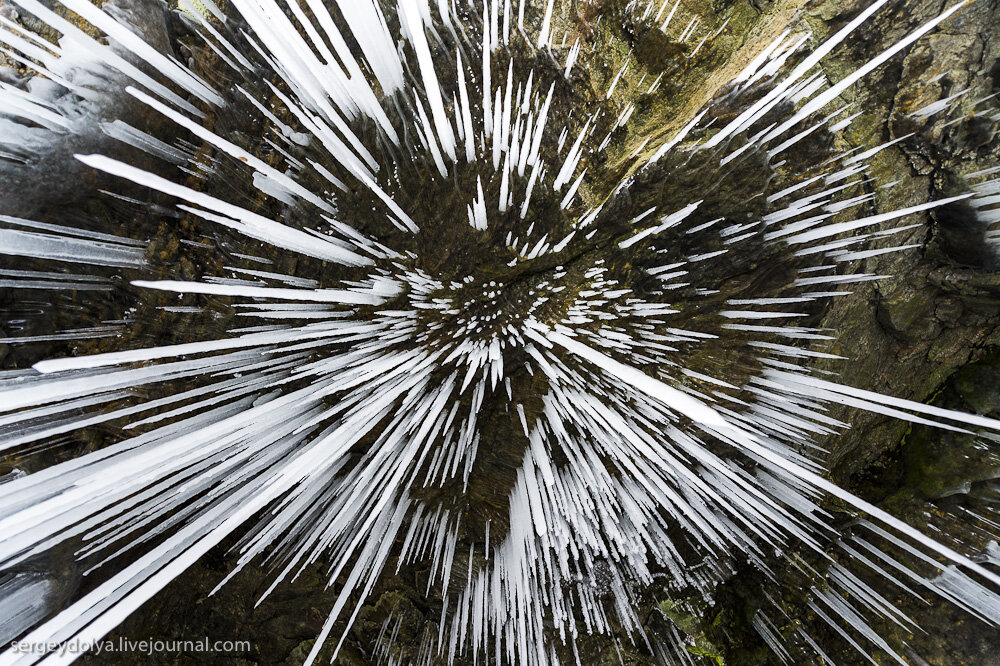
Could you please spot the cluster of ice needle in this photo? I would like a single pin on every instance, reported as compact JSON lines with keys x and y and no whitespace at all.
{"x":472,"y":308}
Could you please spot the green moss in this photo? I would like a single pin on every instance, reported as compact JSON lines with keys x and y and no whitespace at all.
{"x":198,"y":7}
{"x":692,"y":626}
{"x":698,"y":650}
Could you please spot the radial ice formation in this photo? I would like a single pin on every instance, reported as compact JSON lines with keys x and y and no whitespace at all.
{"x":465,"y":340}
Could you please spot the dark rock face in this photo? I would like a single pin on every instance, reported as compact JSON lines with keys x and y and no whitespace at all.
{"x":931,"y":333}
